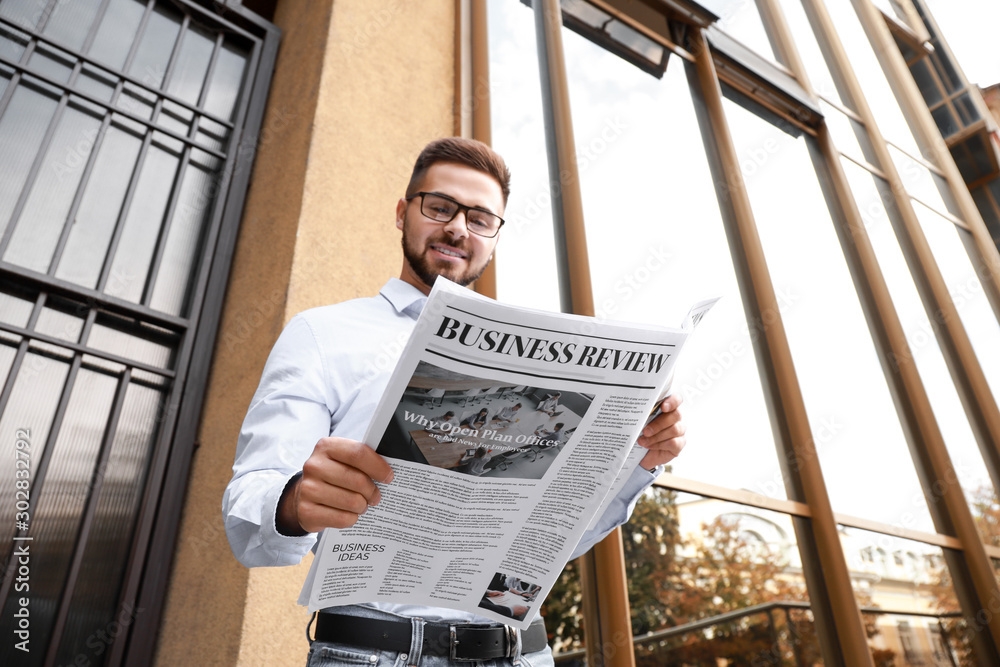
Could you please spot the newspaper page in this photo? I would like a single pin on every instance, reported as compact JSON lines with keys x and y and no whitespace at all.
{"x":505,"y":428}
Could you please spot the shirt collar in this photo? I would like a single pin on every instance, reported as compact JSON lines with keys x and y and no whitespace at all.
{"x":404,"y":297}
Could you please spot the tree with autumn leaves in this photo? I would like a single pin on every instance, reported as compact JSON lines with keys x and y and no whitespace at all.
{"x":986,"y":512}
{"x":671,"y":584}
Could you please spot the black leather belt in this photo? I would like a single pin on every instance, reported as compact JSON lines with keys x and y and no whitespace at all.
{"x":459,"y":641}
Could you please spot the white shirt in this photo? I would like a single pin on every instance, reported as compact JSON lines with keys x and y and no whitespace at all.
{"x":324,"y":377}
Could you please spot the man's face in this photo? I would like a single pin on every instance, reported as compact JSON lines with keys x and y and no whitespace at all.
{"x":433,"y":249}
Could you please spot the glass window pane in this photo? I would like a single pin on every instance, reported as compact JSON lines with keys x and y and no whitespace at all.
{"x":62,"y":498}
{"x":96,"y":82}
{"x":923,"y":184}
{"x":25,"y":13}
{"x":153,"y":54}
{"x":850,"y":409}
{"x":183,"y":249}
{"x":928,"y":85}
{"x":668,"y":209}
{"x":988,"y":209}
{"x":15,"y":304}
{"x":31,"y":408}
{"x":70,"y":22}
{"x":691,"y":558}
{"x":59,"y":323}
{"x":907,"y":597}
{"x":966,"y":109}
{"x":227,"y":80}
{"x":518,"y":135}
{"x":142,"y":227}
{"x":212,"y":135}
{"x":144,"y":343}
{"x":945,"y":120}
{"x":100,"y":207}
{"x":12,"y":45}
{"x":850,"y":136}
{"x":52,"y":63}
{"x":809,"y":50}
{"x":870,"y":192}
{"x":95,"y":599}
{"x":192,"y":64}
{"x":44,"y":216}
{"x":950,"y":78}
{"x":21,"y":130}
{"x":741,"y":19}
{"x":949,"y":245}
{"x":175,"y":118}
{"x":118,"y":28}
{"x":869,"y":72}
{"x":137,"y":101}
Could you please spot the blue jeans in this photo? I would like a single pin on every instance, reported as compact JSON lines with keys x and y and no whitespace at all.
{"x":328,"y":654}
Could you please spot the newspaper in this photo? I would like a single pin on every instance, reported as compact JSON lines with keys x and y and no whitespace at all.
{"x":507,"y":429}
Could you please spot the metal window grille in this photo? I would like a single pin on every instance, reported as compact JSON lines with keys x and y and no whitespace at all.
{"x":127,"y":129}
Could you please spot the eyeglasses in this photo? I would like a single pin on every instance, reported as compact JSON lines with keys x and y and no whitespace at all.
{"x":441,"y":208}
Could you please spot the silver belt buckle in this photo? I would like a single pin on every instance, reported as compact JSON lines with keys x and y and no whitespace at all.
{"x":510,"y":634}
{"x":511,"y":640}
{"x":453,"y":645}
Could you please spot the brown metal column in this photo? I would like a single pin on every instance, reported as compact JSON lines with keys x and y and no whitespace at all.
{"x":475,"y":103}
{"x":929,"y":137}
{"x":800,"y":458}
{"x":979,"y":401}
{"x":948,"y":505}
{"x":609,"y":640}
{"x":926,"y":441}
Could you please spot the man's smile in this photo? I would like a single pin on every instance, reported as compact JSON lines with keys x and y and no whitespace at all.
{"x":449,"y":251}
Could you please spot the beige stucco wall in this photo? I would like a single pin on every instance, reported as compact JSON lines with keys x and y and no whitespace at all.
{"x":359,"y":88}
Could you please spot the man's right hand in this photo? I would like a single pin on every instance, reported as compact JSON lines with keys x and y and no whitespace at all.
{"x":336,"y":487}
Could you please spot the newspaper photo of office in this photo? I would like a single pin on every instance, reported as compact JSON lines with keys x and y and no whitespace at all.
{"x":510,"y":596}
{"x":481,"y":426}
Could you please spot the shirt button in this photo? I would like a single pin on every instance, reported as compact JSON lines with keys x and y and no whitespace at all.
{"x":373,"y":659}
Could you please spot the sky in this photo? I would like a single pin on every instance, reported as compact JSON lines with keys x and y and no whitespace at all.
{"x":972,"y":29}
{"x":657,"y":244}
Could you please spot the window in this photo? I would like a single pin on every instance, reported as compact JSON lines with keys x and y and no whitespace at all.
{"x":119,"y":126}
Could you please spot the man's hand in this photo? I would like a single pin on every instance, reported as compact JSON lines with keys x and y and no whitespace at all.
{"x":336,"y":487}
{"x":664,"y":436}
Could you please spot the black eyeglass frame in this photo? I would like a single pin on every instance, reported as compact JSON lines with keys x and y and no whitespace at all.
{"x":461,"y":207}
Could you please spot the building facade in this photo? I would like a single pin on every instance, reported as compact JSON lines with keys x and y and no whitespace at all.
{"x":179,"y":178}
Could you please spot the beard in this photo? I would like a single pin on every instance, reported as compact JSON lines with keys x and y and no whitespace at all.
{"x":425,"y":268}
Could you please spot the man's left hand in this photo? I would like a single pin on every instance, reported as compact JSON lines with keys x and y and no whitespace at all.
{"x":664,"y":436}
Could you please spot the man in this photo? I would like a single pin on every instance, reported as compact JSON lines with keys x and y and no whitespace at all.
{"x":300,"y":467}
{"x":547,"y":438}
{"x":549,"y":404}
{"x":446,"y":423}
{"x":506,"y":416}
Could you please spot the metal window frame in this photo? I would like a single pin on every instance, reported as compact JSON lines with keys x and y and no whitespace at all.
{"x":145,"y":581}
{"x":844,"y":641}
{"x":148,"y":575}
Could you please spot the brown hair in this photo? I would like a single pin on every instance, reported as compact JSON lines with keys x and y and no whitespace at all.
{"x":466,"y":152}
